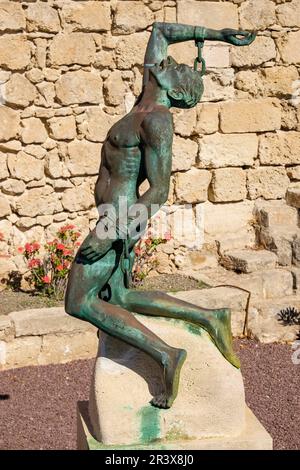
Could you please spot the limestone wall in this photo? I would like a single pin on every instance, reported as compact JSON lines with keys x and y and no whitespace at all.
{"x":69,"y":69}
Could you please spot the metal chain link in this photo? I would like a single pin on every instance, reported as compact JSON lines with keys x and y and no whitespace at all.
{"x":199,"y":59}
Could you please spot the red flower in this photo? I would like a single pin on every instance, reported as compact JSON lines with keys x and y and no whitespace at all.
{"x":67,"y":252}
{"x":137,"y":251}
{"x":148,"y":241}
{"x":20,"y":249}
{"x":59,"y":267}
{"x":36,"y":246}
{"x":28,"y":247}
{"x":34,"y":263}
{"x":77,"y":244}
{"x":66,"y":227}
{"x":60,"y":246}
{"x":46,"y":279}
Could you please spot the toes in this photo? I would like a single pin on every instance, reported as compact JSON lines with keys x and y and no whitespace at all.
{"x":160,"y":402}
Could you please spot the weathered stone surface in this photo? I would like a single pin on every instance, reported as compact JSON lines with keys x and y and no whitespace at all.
{"x":260,"y":51}
{"x":79,"y":87}
{"x":216,"y":55}
{"x":279,"y":240}
{"x":250,"y":116}
{"x":91,"y":16}
{"x":184,"y":121}
{"x":219,"y":150}
{"x":288,"y":14}
{"x":19,"y":91}
{"x":192,"y":186}
{"x":131,"y":16}
{"x":21,"y":352}
{"x":184,"y":153}
{"x":54,"y":166}
{"x":218,"y":85}
{"x":130,"y":50}
{"x":72,"y":48}
{"x":12,"y":17}
{"x":25,"y":167}
{"x":42,"y":17}
{"x":61,"y":348}
{"x":280,"y":148}
{"x":211,"y":14}
{"x":267,"y":182}
{"x":272,"y":214}
{"x":269,"y":81}
{"x":227,"y":185}
{"x":210,"y":401}
{"x":6,"y":329}
{"x":221,"y":220}
{"x":207,"y":118}
{"x":96,"y":124}
{"x":4,"y":206}
{"x":14,"y":52}
{"x":9,"y":123}
{"x":3,"y":166}
{"x":33,"y":131}
{"x":62,"y":128}
{"x":257,"y":14}
{"x":248,"y":261}
{"x":78,"y":198}
{"x":288,"y":47}
{"x":293,"y":173}
{"x":114,"y":88}
{"x":293,"y":195}
{"x":47,"y":202}
{"x":296,"y":251}
{"x":83,"y":158}
{"x":37,"y":322}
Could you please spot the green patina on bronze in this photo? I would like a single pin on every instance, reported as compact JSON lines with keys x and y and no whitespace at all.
{"x":138,"y":148}
{"x":150,"y":424}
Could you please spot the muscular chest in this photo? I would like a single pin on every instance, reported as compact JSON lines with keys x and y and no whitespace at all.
{"x":125,"y":133}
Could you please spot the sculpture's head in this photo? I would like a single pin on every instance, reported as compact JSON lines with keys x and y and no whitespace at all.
{"x":183,"y":84}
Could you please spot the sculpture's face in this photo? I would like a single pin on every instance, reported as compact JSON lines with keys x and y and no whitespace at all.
{"x":183,"y":84}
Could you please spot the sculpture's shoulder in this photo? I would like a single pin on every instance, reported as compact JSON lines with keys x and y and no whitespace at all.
{"x":158,"y":123}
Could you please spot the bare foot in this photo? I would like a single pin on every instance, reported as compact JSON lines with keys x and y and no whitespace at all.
{"x":220,"y":332}
{"x":172,"y":364}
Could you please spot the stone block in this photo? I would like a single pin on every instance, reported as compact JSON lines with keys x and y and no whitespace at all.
{"x":114,"y":88}
{"x":296,"y":251}
{"x":293,"y":173}
{"x":259,"y":115}
{"x":216,"y":55}
{"x":221,"y":150}
{"x":96,"y":124}
{"x":272,"y":214}
{"x":248,"y":261}
{"x":131,"y":16}
{"x":184,"y":153}
{"x":211,"y":386}
{"x":288,"y":14}
{"x":83,"y":158}
{"x":42,"y":17}
{"x":33,"y":131}
{"x":288,"y":47}
{"x":62,"y":128}
{"x":72,"y":48}
{"x":221,"y":220}
{"x":12,"y":16}
{"x":48,"y":203}
{"x":91,"y":16}
{"x":6,"y":329}
{"x":79,"y":87}
{"x":267,"y":182}
{"x":15,"y":52}
{"x":61,"y":348}
{"x":293,"y":195}
{"x":184,"y":121}
{"x":25,"y":167}
{"x":211,"y":14}
{"x":21,"y":352}
{"x":192,"y":186}
{"x":218,"y":85}
{"x":257,"y":14}
{"x":280,"y":148}
{"x":207,"y":118}
{"x":130,"y":50}
{"x":260,"y":51}
{"x":19,"y":91}
{"x":9,"y":123}
{"x":228,"y":185}
{"x":78,"y":199}
{"x":3,"y":166}
{"x":4,"y":206}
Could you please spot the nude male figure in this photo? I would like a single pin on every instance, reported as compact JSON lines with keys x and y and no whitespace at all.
{"x":139,"y":147}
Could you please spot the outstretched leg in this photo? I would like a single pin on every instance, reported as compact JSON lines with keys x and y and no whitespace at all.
{"x":215,"y":322}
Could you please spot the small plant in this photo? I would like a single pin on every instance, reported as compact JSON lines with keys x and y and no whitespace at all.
{"x":49,"y":273}
{"x":289,"y":316}
{"x":145,"y":258}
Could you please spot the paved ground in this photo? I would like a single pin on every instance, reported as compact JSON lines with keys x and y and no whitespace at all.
{"x":38,"y":404}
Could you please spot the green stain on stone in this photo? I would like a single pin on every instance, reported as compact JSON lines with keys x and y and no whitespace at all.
{"x":150,"y":423}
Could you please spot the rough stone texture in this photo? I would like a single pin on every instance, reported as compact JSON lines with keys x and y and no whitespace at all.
{"x":4,"y":206}
{"x":33,"y":131}
{"x":230,"y":218}
{"x":25,"y":167}
{"x":19,"y":91}
{"x":185,"y":121}
{"x":78,"y":199}
{"x":257,"y":14}
{"x":218,"y":85}
{"x":12,"y":17}
{"x":270,"y":81}
{"x":207,"y":118}
{"x":184,"y":153}
{"x":114,"y":88}
{"x":42,"y":17}
{"x":221,"y":150}
{"x":9,"y":123}
{"x":260,"y":51}
{"x":227,"y":185}
{"x":288,"y":47}
{"x":248,"y":261}
{"x":130,"y":50}
{"x":96,"y":124}
{"x":289,"y":13}
{"x":72,"y":48}
{"x":14,"y":52}
{"x":62,"y":128}
{"x":21,"y":352}
{"x":250,"y":116}
{"x":79,"y":87}
{"x":131,"y":16}
{"x":293,"y":173}
{"x":210,"y":14}
{"x":213,"y":387}
{"x":87,"y":16}
{"x":293,"y":195}
{"x":83,"y":158}
{"x":47,"y":202}
{"x":272,"y":214}
{"x":281,"y":148}
{"x":267,"y":182}
{"x":192,"y":186}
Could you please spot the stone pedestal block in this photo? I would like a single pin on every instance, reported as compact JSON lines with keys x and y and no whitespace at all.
{"x":209,"y":410}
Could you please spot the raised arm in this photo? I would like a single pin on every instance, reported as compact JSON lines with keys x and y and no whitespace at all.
{"x":164,"y":34}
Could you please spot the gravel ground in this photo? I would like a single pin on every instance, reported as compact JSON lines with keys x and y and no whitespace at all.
{"x":38,"y":404}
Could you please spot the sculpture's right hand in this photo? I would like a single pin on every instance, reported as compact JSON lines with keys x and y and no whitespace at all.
{"x":93,"y":247}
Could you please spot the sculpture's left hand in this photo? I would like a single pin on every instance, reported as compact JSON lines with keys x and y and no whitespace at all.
{"x":93,"y":247}
{"x":237,"y":38}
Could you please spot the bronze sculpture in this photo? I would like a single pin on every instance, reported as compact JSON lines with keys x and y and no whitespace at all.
{"x":139,"y":147}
